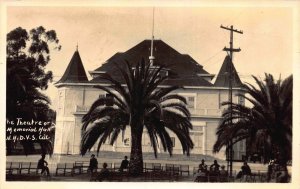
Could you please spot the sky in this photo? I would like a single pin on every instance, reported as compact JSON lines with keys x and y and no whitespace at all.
{"x":266,"y":43}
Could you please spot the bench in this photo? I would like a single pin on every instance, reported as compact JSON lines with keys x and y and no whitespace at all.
{"x":147,"y":167}
{"x":212,"y":178}
{"x":25,"y":166}
{"x":253,"y":177}
{"x":81,"y":166}
{"x":169,"y":167}
{"x":174,"y":170}
{"x":78,"y":167}
{"x":157,"y":167}
{"x":33,"y":167}
{"x":117,"y":166}
{"x":29,"y":167}
{"x":109,"y":167}
{"x":262,"y":176}
{"x":11,"y":167}
{"x":161,"y":175}
{"x":201,"y":178}
{"x":65,"y":168}
{"x":195,"y":170}
{"x":112,"y":176}
{"x":184,"y":169}
{"x":8,"y":171}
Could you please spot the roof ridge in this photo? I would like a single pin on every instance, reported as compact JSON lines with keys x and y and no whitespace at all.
{"x":182,"y":65}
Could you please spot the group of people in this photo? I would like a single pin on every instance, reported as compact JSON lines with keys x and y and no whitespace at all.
{"x":277,"y":171}
{"x":214,"y":170}
{"x":93,"y":166}
{"x":104,"y":173}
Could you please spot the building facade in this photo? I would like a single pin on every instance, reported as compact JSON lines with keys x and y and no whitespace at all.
{"x":204,"y":98}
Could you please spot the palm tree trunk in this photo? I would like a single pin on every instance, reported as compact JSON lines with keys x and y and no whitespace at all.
{"x":136,"y":155}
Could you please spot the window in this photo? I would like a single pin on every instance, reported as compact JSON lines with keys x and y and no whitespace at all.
{"x":241,"y":100}
{"x":198,"y":140}
{"x":173,"y":141}
{"x":110,"y":97}
{"x":191,"y":102}
{"x":60,"y":100}
{"x":197,"y":128}
{"x":242,"y":144}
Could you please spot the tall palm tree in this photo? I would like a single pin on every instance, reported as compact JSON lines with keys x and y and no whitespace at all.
{"x":267,"y":124}
{"x":139,"y":104}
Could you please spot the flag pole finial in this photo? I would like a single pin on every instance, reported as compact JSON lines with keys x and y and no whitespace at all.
{"x":151,"y":57}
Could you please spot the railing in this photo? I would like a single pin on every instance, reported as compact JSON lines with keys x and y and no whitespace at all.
{"x":194,"y":112}
{"x":206,"y":112}
{"x":81,"y":108}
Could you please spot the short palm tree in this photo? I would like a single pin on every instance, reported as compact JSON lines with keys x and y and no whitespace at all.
{"x":139,"y":104}
{"x":267,"y":125}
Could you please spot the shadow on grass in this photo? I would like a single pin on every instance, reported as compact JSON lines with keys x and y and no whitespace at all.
{"x":23,"y":178}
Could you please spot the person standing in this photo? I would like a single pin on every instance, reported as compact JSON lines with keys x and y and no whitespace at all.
{"x":124,"y":164}
{"x":93,"y":164}
{"x":43,"y":164}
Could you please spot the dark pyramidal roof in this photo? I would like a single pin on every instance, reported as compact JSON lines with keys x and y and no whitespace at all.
{"x":223,"y":75}
{"x":183,"y":69}
{"x":75,"y":72}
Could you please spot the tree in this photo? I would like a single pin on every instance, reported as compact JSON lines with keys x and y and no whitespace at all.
{"x":27,"y":78}
{"x":140,"y":104}
{"x":267,"y":124}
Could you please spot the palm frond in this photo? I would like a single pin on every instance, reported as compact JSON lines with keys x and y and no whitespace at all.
{"x":267,"y":124}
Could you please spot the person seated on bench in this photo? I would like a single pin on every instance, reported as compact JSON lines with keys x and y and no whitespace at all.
{"x":215,"y":167}
{"x":201,"y":176}
{"x":93,"y":164}
{"x":124,"y":164}
{"x":202,"y":166}
{"x":245,"y":170}
{"x":223,"y":172}
{"x":103,"y":174}
{"x":42,"y":164}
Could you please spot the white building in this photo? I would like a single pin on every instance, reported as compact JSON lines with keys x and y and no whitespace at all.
{"x":76,"y":94}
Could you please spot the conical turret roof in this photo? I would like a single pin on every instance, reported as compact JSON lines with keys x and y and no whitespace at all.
{"x":223,"y":75}
{"x":75,"y":72}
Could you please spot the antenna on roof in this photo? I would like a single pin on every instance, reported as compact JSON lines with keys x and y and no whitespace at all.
{"x":77,"y":47}
{"x":151,"y":57}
